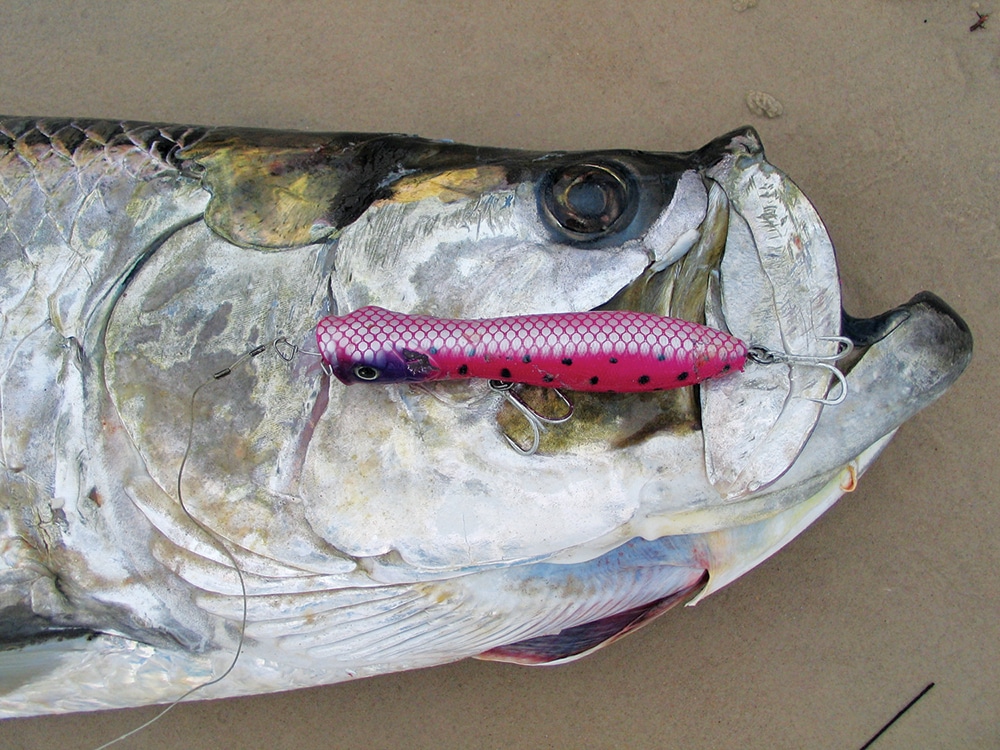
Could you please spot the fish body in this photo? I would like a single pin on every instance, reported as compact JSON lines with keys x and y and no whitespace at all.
{"x":155,"y":519}
{"x":615,"y":351}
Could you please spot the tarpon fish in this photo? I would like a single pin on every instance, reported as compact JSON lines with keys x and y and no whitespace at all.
{"x":187,"y":489}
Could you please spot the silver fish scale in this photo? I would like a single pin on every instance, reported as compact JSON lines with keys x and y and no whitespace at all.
{"x":62,"y":188}
{"x":81,"y":203}
{"x":48,"y":168}
{"x":139,"y":146}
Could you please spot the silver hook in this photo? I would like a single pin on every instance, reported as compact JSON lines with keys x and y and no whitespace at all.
{"x":535,"y":420}
{"x":764,"y":356}
{"x":840,"y":379}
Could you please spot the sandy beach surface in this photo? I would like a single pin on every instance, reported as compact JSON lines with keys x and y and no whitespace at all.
{"x":890,"y":123}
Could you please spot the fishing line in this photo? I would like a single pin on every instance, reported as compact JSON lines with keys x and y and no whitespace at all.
{"x":216,"y":539}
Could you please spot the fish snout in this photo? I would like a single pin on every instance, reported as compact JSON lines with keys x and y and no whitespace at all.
{"x":909,"y":357}
{"x":905,"y":359}
{"x":925,"y":334}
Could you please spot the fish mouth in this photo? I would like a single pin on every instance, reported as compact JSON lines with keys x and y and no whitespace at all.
{"x":905,"y":359}
{"x":763,"y":269}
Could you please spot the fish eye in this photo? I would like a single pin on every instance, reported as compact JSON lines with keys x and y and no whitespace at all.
{"x":366,"y":372}
{"x":589,"y":200}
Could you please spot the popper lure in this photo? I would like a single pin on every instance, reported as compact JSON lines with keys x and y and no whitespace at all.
{"x":619,"y":351}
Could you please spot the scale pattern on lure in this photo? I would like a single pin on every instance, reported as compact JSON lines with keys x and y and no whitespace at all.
{"x":611,"y":350}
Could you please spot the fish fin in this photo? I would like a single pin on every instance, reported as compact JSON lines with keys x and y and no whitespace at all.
{"x":371,"y":629}
{"x":31,"y":663}
{"x":94,"y":671}
{"x":579,"y":641}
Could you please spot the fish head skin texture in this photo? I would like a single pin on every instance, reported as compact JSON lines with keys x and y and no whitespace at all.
{"x":387,"y":527}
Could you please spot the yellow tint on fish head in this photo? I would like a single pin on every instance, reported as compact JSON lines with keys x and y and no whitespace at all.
{"x":451,"y":186}
{"x":269,"y":198}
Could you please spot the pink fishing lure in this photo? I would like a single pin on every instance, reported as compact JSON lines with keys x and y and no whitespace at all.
{"x":619,"y":351}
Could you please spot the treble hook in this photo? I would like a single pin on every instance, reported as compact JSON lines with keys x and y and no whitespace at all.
{"x":535,"y":420}
{"x":764,"y":356}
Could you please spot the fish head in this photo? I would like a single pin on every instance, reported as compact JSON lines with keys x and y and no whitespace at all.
{"x":197,"y":482}
{"x":422,"y":476}
{"x":716,"y":236}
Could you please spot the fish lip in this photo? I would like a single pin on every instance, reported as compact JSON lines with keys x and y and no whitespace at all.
{"x":863,"y":332}
{"x":867,"y":332}
{"x":934,"y":339}
{"x":931,"y":300}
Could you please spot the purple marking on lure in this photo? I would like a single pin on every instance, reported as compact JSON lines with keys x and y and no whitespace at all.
{"x":619,"y":351}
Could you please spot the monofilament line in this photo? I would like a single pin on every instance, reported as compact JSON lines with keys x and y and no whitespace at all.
{"x":215,"y":539}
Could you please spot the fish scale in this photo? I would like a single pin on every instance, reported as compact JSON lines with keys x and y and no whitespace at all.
{"x":617,"y":351}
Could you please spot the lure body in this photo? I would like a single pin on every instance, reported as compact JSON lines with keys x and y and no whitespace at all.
{"x":617,"y":351}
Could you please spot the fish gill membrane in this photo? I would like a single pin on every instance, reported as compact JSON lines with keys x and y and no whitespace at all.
{"x":175,"y":535}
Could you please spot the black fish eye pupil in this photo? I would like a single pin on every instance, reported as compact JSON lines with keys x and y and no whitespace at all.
{"x":366,"y":372}
{"x":587,"y":200}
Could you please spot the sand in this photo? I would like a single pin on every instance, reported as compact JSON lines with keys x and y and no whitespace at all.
{"x":891,"y":125}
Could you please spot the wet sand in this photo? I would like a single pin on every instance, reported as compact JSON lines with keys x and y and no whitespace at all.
{"x":889,"y":122}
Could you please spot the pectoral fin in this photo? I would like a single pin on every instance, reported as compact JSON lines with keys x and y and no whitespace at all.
{"x":579,"y":641}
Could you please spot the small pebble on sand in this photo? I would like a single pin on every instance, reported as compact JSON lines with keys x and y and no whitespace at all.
{"x":741,"y":5}
{"x":763,"y":104}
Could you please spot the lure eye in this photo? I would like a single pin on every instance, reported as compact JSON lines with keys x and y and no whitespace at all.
{"x":366,"y":372}
{"x":589,"y":200}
